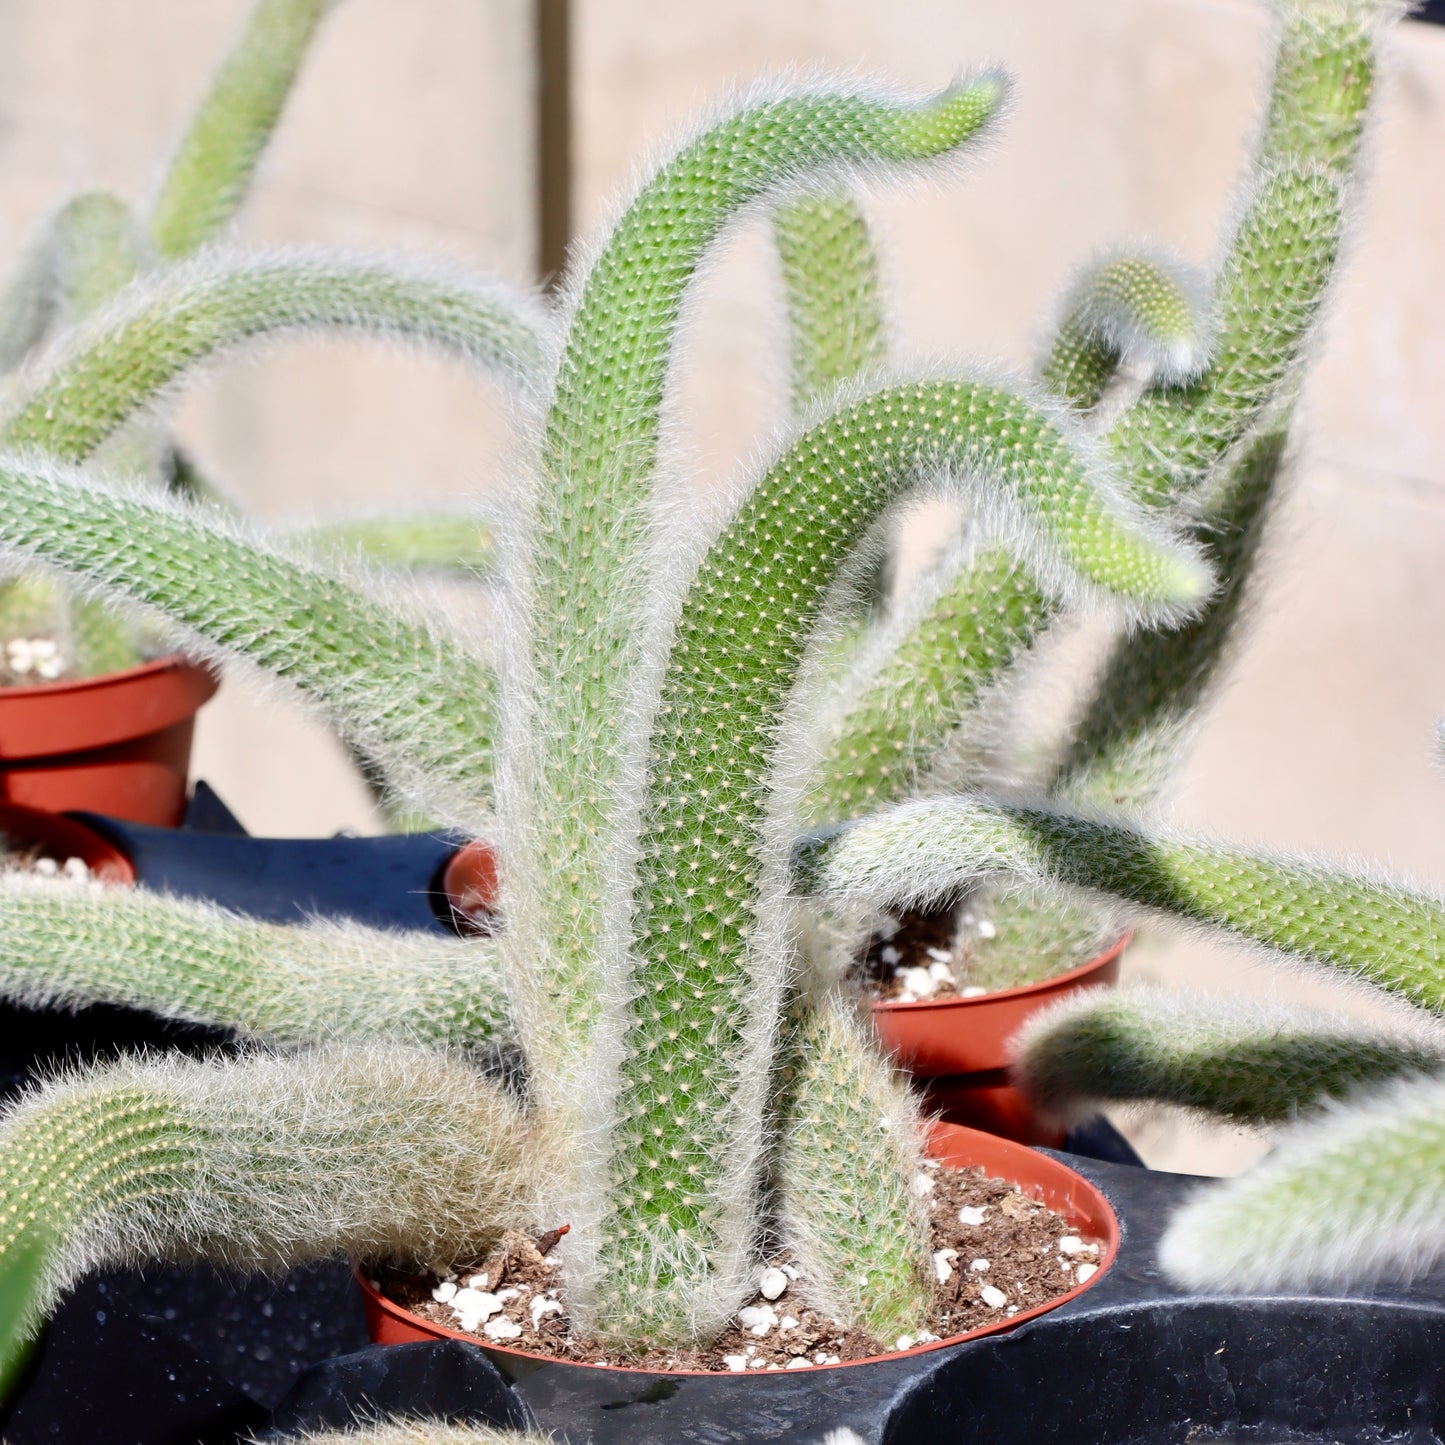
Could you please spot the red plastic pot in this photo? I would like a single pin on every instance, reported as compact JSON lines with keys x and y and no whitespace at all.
{"x":118,"y":744}
{"x":1046,"y":1179}
{"x":957,"y":1048}
{"x":61,"y":838}
{"x":469,"y":884}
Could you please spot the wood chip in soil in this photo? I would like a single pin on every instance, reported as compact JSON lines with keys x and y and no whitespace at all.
{"x":997,"y":1252}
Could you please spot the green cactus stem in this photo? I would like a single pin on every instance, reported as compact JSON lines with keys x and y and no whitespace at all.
{"x":1268,"y":299}
{"x":421,"y":1432}
{"x":588,"y":580}
{"x":1246,"y":1061}
{"x":679,"y":1216}
{"x":164,"y":328}
{"x":1390,"y":936}
{"x":1145,"y":309}
{"x":1151,"y":691}
{"x":263,"y":1162}
{"x":1352,"y":1195}
{"x":68,"y":945}
{"x":409,"y":695}
{"x":212,"y":168}
{"x":835,"y":309}
{"x":954,"y":637}
{"x":848,"y":1155}
{"x":459,"y":541}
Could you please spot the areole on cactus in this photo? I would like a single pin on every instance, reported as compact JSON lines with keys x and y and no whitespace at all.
{"x":636,"y":743}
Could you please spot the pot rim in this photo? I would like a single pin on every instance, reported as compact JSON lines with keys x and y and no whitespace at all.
{"x":106,"y":860}
{"x":171,"y":662}
{"x":942,"y":1140}
{"x":1023,"y":990}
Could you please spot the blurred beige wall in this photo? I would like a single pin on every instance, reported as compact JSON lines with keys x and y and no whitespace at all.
{"x":412,"y":126}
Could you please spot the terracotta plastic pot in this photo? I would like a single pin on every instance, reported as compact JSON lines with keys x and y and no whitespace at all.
{"x":957,"y":1048}
{"x":1083,"y":1204}
{"x":469,"y":886}
{"x":118,"y":744}
{"x":61,"y":838}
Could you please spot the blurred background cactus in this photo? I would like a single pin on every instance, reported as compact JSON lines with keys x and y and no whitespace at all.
{"x":636,"y":743}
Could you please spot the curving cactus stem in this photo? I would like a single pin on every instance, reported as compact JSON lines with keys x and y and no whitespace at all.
{"x":680,"y":1210}
{"x":1352,"y":1195}
{"x":1250,"y":1062}
{"x":187,"y":315}
{"x":1144,"y":309}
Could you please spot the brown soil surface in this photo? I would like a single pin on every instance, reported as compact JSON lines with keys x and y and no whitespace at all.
{"x":1012,"y":1251}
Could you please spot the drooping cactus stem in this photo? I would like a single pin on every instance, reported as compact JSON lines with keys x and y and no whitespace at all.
{"x":213,"y":166}
{"x":414,"y":698}
{"x":1352,"y":1196}
{"x":445,"y":540}
{"x":68,"y":946}
{"x":1243,"y":1060}
{"x":1392,"y":936}
{"x":263,"y":1162}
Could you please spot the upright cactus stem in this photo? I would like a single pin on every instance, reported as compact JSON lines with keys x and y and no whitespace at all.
{"x":585,"y":570}
{"x":835,"y":309}
{"x":1151,"y":691}
{"x":847,"y":1160}
{"x":213,"y":166}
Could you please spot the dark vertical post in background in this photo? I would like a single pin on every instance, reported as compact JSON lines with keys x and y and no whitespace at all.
{"x":554,"y":136}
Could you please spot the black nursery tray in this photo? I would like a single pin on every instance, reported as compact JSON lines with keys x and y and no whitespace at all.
{"x":1132,"y":1361}
{"x":179,"y":1356}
